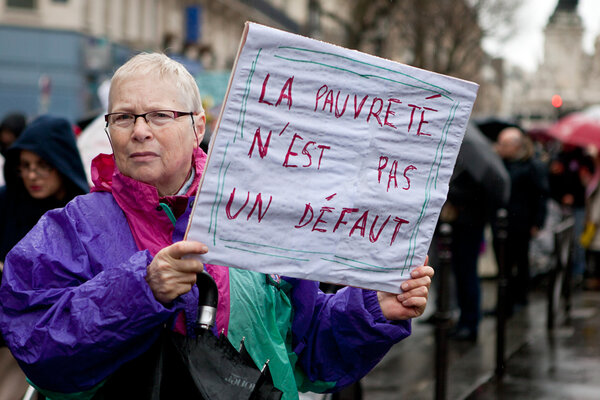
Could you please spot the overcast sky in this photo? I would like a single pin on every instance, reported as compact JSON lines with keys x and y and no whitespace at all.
{"x":526,"y":48}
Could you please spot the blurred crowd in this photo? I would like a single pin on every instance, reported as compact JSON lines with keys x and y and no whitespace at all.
{"x":540,"y":182}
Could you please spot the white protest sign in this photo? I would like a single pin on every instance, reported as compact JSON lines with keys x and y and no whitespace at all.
{"x":328,"y":164}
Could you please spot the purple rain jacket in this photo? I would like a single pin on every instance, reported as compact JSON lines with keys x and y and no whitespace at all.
{"x":75,"y":305}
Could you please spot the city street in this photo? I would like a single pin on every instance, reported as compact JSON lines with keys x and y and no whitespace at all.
{"x":541,"y":364}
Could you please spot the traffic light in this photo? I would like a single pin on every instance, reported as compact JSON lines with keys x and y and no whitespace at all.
{"x":557,"y":101}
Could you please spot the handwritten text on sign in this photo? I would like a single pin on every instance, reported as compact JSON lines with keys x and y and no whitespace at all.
{"x":328,"y":164}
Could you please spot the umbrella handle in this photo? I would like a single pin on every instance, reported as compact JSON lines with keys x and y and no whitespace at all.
{"x":208,"y":298}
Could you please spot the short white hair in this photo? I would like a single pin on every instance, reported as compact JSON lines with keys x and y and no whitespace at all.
{"x":165,"y":68}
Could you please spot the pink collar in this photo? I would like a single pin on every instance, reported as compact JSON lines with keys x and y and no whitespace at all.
{"x":151,"y":227}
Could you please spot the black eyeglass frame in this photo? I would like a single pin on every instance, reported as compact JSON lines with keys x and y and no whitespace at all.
{"x":177,"y":114}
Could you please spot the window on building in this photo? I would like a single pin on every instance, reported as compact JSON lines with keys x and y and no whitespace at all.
{"x":21,"y":3}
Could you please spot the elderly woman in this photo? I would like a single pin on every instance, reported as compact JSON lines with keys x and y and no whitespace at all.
{"x":87,"y":293}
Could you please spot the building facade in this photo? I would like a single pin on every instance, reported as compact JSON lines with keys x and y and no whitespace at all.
{"x":566,"y":70}
{"x":55,"y":53}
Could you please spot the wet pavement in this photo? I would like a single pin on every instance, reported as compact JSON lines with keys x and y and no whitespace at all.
{"x":563,"y":363}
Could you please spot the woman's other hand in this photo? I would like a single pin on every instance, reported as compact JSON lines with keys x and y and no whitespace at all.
{"x":412,"y":301}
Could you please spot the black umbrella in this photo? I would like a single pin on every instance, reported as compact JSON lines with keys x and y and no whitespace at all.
{"x":492,"y":126}
{"x":478,"y":158}
{"x":206,"y":366}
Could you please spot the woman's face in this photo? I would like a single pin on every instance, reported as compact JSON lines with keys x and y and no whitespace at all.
{"x":160,"y":156}
{"x":40,"y":178}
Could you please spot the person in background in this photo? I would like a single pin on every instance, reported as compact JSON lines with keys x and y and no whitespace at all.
{"x":526,"y":209}
{"x":590,"y":239}
{"x":110,"y":270}
{"x":10,"y":128}
{"x":43,"y":171}
{"x":473,"y":199}
{"x":568,"y":170}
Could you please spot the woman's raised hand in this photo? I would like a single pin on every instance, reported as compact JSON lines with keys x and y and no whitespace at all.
{"x":171,"y":273}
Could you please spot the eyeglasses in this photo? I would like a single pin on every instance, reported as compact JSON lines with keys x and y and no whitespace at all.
{"x":155,"y":119}
{"x":41,"y":169}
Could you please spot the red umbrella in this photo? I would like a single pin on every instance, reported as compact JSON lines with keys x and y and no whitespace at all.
{"x":578,"y":128}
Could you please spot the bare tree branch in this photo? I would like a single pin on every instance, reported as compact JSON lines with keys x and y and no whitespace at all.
{"x":440,"y":35}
